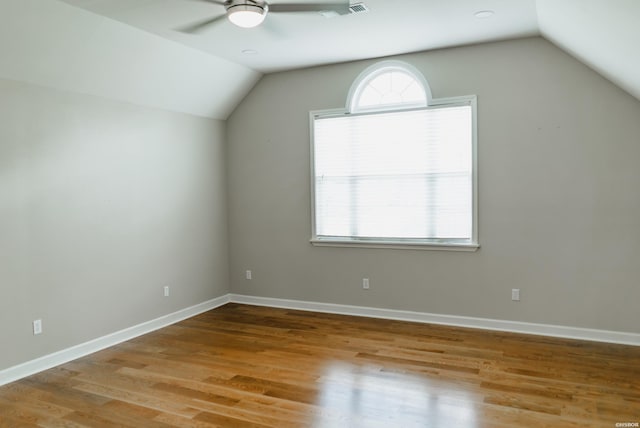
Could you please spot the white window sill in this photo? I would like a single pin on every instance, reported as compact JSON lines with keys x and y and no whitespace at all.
{"x":395,"y":245}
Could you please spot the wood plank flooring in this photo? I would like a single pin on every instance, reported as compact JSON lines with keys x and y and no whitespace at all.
{"x":248,"y":366}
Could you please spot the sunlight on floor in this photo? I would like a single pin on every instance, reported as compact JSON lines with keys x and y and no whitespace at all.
{"x":367,"y":396}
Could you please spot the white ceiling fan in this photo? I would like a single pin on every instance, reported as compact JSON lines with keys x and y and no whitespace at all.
{"x":251,"y":13}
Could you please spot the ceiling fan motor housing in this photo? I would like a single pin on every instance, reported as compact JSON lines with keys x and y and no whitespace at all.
{"x":258,"y":6}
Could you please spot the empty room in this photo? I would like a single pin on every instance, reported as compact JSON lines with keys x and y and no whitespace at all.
{"x":320,"y":213}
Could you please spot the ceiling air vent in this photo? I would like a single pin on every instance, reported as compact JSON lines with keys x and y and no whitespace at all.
{"x":358,"y":8}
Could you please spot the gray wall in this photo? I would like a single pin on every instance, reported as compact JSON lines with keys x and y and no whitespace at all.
{"x":559,"y":156}
{"x":101,"y":205}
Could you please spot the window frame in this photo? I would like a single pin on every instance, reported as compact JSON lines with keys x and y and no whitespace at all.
{"x":377,"y":69}
{"x":434,"y":244}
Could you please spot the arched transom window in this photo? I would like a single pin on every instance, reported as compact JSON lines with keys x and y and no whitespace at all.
{"x":396,"y":167}
{"x":389,"y":84}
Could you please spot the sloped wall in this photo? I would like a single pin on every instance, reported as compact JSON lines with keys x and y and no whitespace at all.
{"x":52,"y":44}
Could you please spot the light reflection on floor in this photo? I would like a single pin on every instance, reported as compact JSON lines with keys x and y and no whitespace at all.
{"x":365,"y":396}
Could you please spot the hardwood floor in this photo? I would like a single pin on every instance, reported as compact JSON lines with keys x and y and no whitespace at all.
{"x":247,"y":366}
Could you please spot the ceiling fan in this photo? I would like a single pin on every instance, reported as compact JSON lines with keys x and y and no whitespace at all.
{"x":251,"y":13}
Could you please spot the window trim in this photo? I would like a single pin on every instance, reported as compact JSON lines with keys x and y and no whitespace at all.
{"x":448,"y":245}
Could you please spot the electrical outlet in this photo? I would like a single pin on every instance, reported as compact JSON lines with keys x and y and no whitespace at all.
{"x":365,"y":283}
{"x":515,"y":294}
{"x":166,"y":291}
{"x":37,"y":327}
{"x":247,"y":274}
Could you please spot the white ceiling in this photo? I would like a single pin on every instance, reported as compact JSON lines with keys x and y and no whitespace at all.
{"x":52,"y":44}
{"x":129,"y":49}
{"x":604,"y":34}
{"x":294,"y":40}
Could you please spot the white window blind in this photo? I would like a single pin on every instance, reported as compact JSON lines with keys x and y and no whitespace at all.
{"x":396,"y":176}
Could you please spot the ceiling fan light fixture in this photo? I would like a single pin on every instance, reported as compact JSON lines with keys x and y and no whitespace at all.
{"x":246,"y":15}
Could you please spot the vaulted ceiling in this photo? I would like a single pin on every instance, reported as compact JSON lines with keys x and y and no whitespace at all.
{"x":294,"y":40}
{"x":130,"y":50}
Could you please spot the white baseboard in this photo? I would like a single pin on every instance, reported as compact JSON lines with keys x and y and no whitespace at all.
{"x":452,"y":320}
{"x":48,"y":361}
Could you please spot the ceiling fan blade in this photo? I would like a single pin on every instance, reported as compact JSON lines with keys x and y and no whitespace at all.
{"x":196,"y":27}
{"x":273,"y":28}
{"x":339,"y":8}
{"x":220,"y":2}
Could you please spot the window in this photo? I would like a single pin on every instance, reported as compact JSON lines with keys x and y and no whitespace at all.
{"x":395,"y":168}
